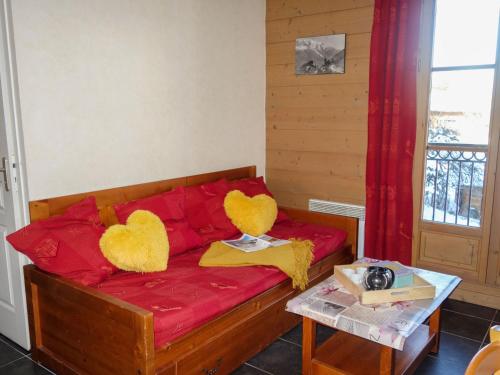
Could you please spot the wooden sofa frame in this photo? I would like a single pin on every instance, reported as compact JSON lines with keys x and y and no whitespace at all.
{"x":79,"y":330}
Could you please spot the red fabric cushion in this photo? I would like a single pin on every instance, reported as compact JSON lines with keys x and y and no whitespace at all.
{"x":255,"y":186}
{"x":186,"y":295}
{"x":250,"y":186}
{"x":67,"y":245}
{"x":205,"y":211}
{"x":181,"y":236}
{"x":169,"y":207}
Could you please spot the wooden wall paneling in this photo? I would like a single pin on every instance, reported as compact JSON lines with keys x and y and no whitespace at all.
{"x":493,"y":272}
{"x":330,"y":163}
{"x":294,"y":199}
{"x":484,"y":295}
{"x":334,"y":141}
{"x":278,"y":9}
{"x":351,"y":21}
{"x":317,"y":124}
{"x":284,"y":75}
{"x":352,"y":96}
{"x":322,"y":186}
{"x":317,"y":119}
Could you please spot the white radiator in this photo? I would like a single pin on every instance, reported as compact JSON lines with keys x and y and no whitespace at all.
{"x":343,"y":209}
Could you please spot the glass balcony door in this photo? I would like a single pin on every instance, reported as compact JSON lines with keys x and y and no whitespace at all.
{"x":459,"y":116}
{"x":459,"y":70}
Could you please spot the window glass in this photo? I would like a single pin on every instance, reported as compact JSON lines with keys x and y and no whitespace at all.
{"x":460,"y":106}
{"x":454,"y":187}
{"x":465,"y":32}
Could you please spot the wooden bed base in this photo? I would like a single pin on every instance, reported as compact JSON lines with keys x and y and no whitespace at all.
{"x":79,"y":330}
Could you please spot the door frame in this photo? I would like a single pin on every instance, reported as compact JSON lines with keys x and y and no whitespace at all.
{"x":423,"y":86}
{"x":15,"y":143}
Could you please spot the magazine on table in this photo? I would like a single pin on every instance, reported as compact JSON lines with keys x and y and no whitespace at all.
{"x":248,"y":243}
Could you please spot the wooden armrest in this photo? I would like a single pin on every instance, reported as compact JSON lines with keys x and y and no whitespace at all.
{"x":349,"y":224}
{"x":72,"y":325}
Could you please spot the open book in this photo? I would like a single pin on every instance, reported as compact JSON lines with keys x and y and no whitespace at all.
{"x":248,"y":243}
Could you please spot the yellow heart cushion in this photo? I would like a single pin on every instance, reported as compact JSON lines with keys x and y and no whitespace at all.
{"x":254,"y":216}
{"x":141,"y":245}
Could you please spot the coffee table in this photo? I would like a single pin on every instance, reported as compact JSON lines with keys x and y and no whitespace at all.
{"x":371,"y":339}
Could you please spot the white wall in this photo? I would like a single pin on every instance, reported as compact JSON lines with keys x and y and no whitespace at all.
{"x":117,"y":92}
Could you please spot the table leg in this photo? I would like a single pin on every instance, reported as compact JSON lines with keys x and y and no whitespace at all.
{"x":387,"y":360}
{"x":308,"y":344}
{"x":435,"y":327}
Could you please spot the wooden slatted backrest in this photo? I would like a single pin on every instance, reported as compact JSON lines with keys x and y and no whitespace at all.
{"x":42,"y":209}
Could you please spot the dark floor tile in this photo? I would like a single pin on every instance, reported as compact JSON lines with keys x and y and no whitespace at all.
{"x":428,"y":367}
{"x":13,"y":344}
{"x":440,"y":366}
{"x":280,"y":358}
{"x":8,"y":354}
{"x":457,"y":349}
{"x":469,"y":309}
{"x":24,"y":366}
{"x":487,"y":336}
{"x":322,"y":334}
{"x":248,"y":370}
{"x":462,"y":325}
{"x":294,"y":335}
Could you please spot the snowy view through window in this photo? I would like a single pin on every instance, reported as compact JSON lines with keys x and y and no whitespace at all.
{"x":462,"y":77}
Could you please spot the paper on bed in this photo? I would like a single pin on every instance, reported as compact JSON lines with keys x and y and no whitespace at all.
{"x":248,"y":243}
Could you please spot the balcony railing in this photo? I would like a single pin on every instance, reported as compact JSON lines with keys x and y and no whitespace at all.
{"x":454,"y":179}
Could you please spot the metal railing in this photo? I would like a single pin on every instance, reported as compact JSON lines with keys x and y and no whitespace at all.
{"x":454,"y":179}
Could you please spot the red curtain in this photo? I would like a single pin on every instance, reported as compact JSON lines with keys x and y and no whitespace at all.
{"x":391,"y":129}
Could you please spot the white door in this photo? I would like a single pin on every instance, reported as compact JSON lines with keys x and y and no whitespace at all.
{"x":13,"y":320}
{"x":13,"y":317}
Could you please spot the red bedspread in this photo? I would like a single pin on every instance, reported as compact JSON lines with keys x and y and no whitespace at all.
{"x":186,"y":295}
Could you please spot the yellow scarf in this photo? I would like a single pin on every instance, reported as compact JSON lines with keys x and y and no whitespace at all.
{"x":293,"y":259}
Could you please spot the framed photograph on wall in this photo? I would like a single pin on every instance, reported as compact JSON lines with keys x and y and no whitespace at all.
{"x":320,"y":55}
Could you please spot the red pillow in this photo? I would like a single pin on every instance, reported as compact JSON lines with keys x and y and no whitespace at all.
{"x":255,"y":186}
{"x":67,"y":245}
{"x":250,"y":186}
{"x":181,"y":236}
{"x":169,"y":207}
{"x":205,"y":211}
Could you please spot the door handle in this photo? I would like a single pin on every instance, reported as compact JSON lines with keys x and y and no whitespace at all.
{"x":3,"y":170}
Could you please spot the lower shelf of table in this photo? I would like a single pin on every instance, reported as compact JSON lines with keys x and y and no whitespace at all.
{"x":355,"y":355}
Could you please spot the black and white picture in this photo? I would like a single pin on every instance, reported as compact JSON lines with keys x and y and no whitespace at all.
{"x":320,"y":55}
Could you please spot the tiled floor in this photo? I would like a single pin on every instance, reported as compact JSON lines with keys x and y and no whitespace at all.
{"x":464,"y":331}
{"x":14,"y":360}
